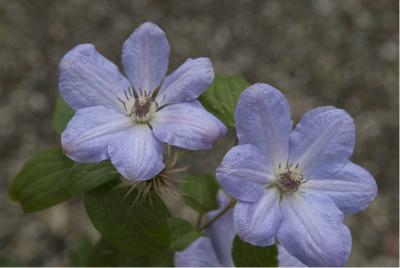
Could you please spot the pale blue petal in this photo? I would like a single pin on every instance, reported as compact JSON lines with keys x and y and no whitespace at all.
{"x":263,"y":120}
{"x":187,"y":82}
{"x":145,"y":57}
{"x":312,"y":230}
{"x":187,"y":125}
{"x":86,"y":137}
{"x":199,"y":254}
{"x":136,"y":153}
{"x":223,"y":199}
{"x":89,"y":79}
{"x":257,"y":223}
{"x":287,"y":260}
{"x":322,"y":142}
{"x":222,"y":231}
{"x":244,"y":173}
{"x":352,"y":189}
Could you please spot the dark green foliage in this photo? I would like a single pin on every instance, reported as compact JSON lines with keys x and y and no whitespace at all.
{"x":200,"y":192}
{"x":222,"y":96}
{"x":182,"y":234}
{"x":50,"y":178}
{"x":137,"y":227}
{"x":247,"y":255}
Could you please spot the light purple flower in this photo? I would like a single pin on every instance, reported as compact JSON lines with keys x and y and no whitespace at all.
{"x":127,"y":120}
{"x":287,"y":260}
{"x":294,"y":184}
{"x":214,"y":249}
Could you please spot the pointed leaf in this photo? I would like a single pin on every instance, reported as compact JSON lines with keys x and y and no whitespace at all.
{"x":50,"y":178}
{"x":182,"y":234}
{"x":200,"y":192}
{"x":138,"y":227}
{"x":222,"y":96}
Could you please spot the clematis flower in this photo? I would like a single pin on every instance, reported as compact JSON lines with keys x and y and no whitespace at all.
{"x":127,"y":119}
{"x":294,"y":185}
{"x":214,"y":249}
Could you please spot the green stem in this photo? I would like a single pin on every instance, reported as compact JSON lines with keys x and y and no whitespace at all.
{"x":188,"y":197}
{"x":219,"y":215}
{"x":198,"y":222}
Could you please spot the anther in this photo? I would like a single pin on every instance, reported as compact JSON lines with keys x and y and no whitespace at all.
{"x":121,"y":101}
{"x":290,"y":179}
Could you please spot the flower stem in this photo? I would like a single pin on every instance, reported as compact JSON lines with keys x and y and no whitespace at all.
{"x":198,"y":222}
{"x":219,"y":215}
{"x":194,"y":201}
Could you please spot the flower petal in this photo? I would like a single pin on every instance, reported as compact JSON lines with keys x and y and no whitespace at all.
{"x":145,"y":57}
{"x":352,"y":188}
{"x":287,"y":260}
{"x":263,"y":120}
{"x":136,"y":153}
{"x":187,"y":82}
{"x":89,"y":79}
{"x":257,"y":223}
{"x":312,"y":230}
{"x":187,"y":125}
{"x":222,"y":231}
{"x":86,"y":137}
{"x":244,"y":174}
{"x":322,"y":142}
{"x":199,"y":254}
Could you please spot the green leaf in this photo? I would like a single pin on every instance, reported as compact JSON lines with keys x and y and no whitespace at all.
{"x":85,"y":177}
{"x":62,"y":114}
{"x":222,"y":96}
{"x":50,"y":178}
{"x":79,"y":253}
{"x":105,"y":254}
{"x":140,"y":227}
{"x":247,"y":255}
{"x":38,"y":184}
{"x":162,"y":259}
{"x":182,"y":234}
{"x":200,"y":192}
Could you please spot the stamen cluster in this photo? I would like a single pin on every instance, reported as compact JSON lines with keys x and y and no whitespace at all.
{"x":138,"y":106}
{"x":289,"y":178}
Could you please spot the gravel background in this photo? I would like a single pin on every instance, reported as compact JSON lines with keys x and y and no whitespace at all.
{"x":342,"y":53}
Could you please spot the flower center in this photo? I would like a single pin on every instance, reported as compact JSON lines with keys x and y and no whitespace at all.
{"x":143,"y":109}
{"x":289,"y":178}
{"x":140,"y":106}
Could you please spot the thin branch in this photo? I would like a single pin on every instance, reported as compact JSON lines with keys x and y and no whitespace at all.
{"x":198,"y":222}
{"x":219,"y":215}
{"x":191,"y":199}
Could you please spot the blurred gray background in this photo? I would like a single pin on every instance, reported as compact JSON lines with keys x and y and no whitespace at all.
{"x":342,"y":53}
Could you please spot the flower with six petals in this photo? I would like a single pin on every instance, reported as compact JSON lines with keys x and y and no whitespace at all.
{"x":294,"y":185}
{"x":127,"y":119}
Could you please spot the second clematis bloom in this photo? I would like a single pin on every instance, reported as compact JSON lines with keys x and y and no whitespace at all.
{"x":215,"y":248}
{"x":294,"y":185}
{"x":127,"y":119}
